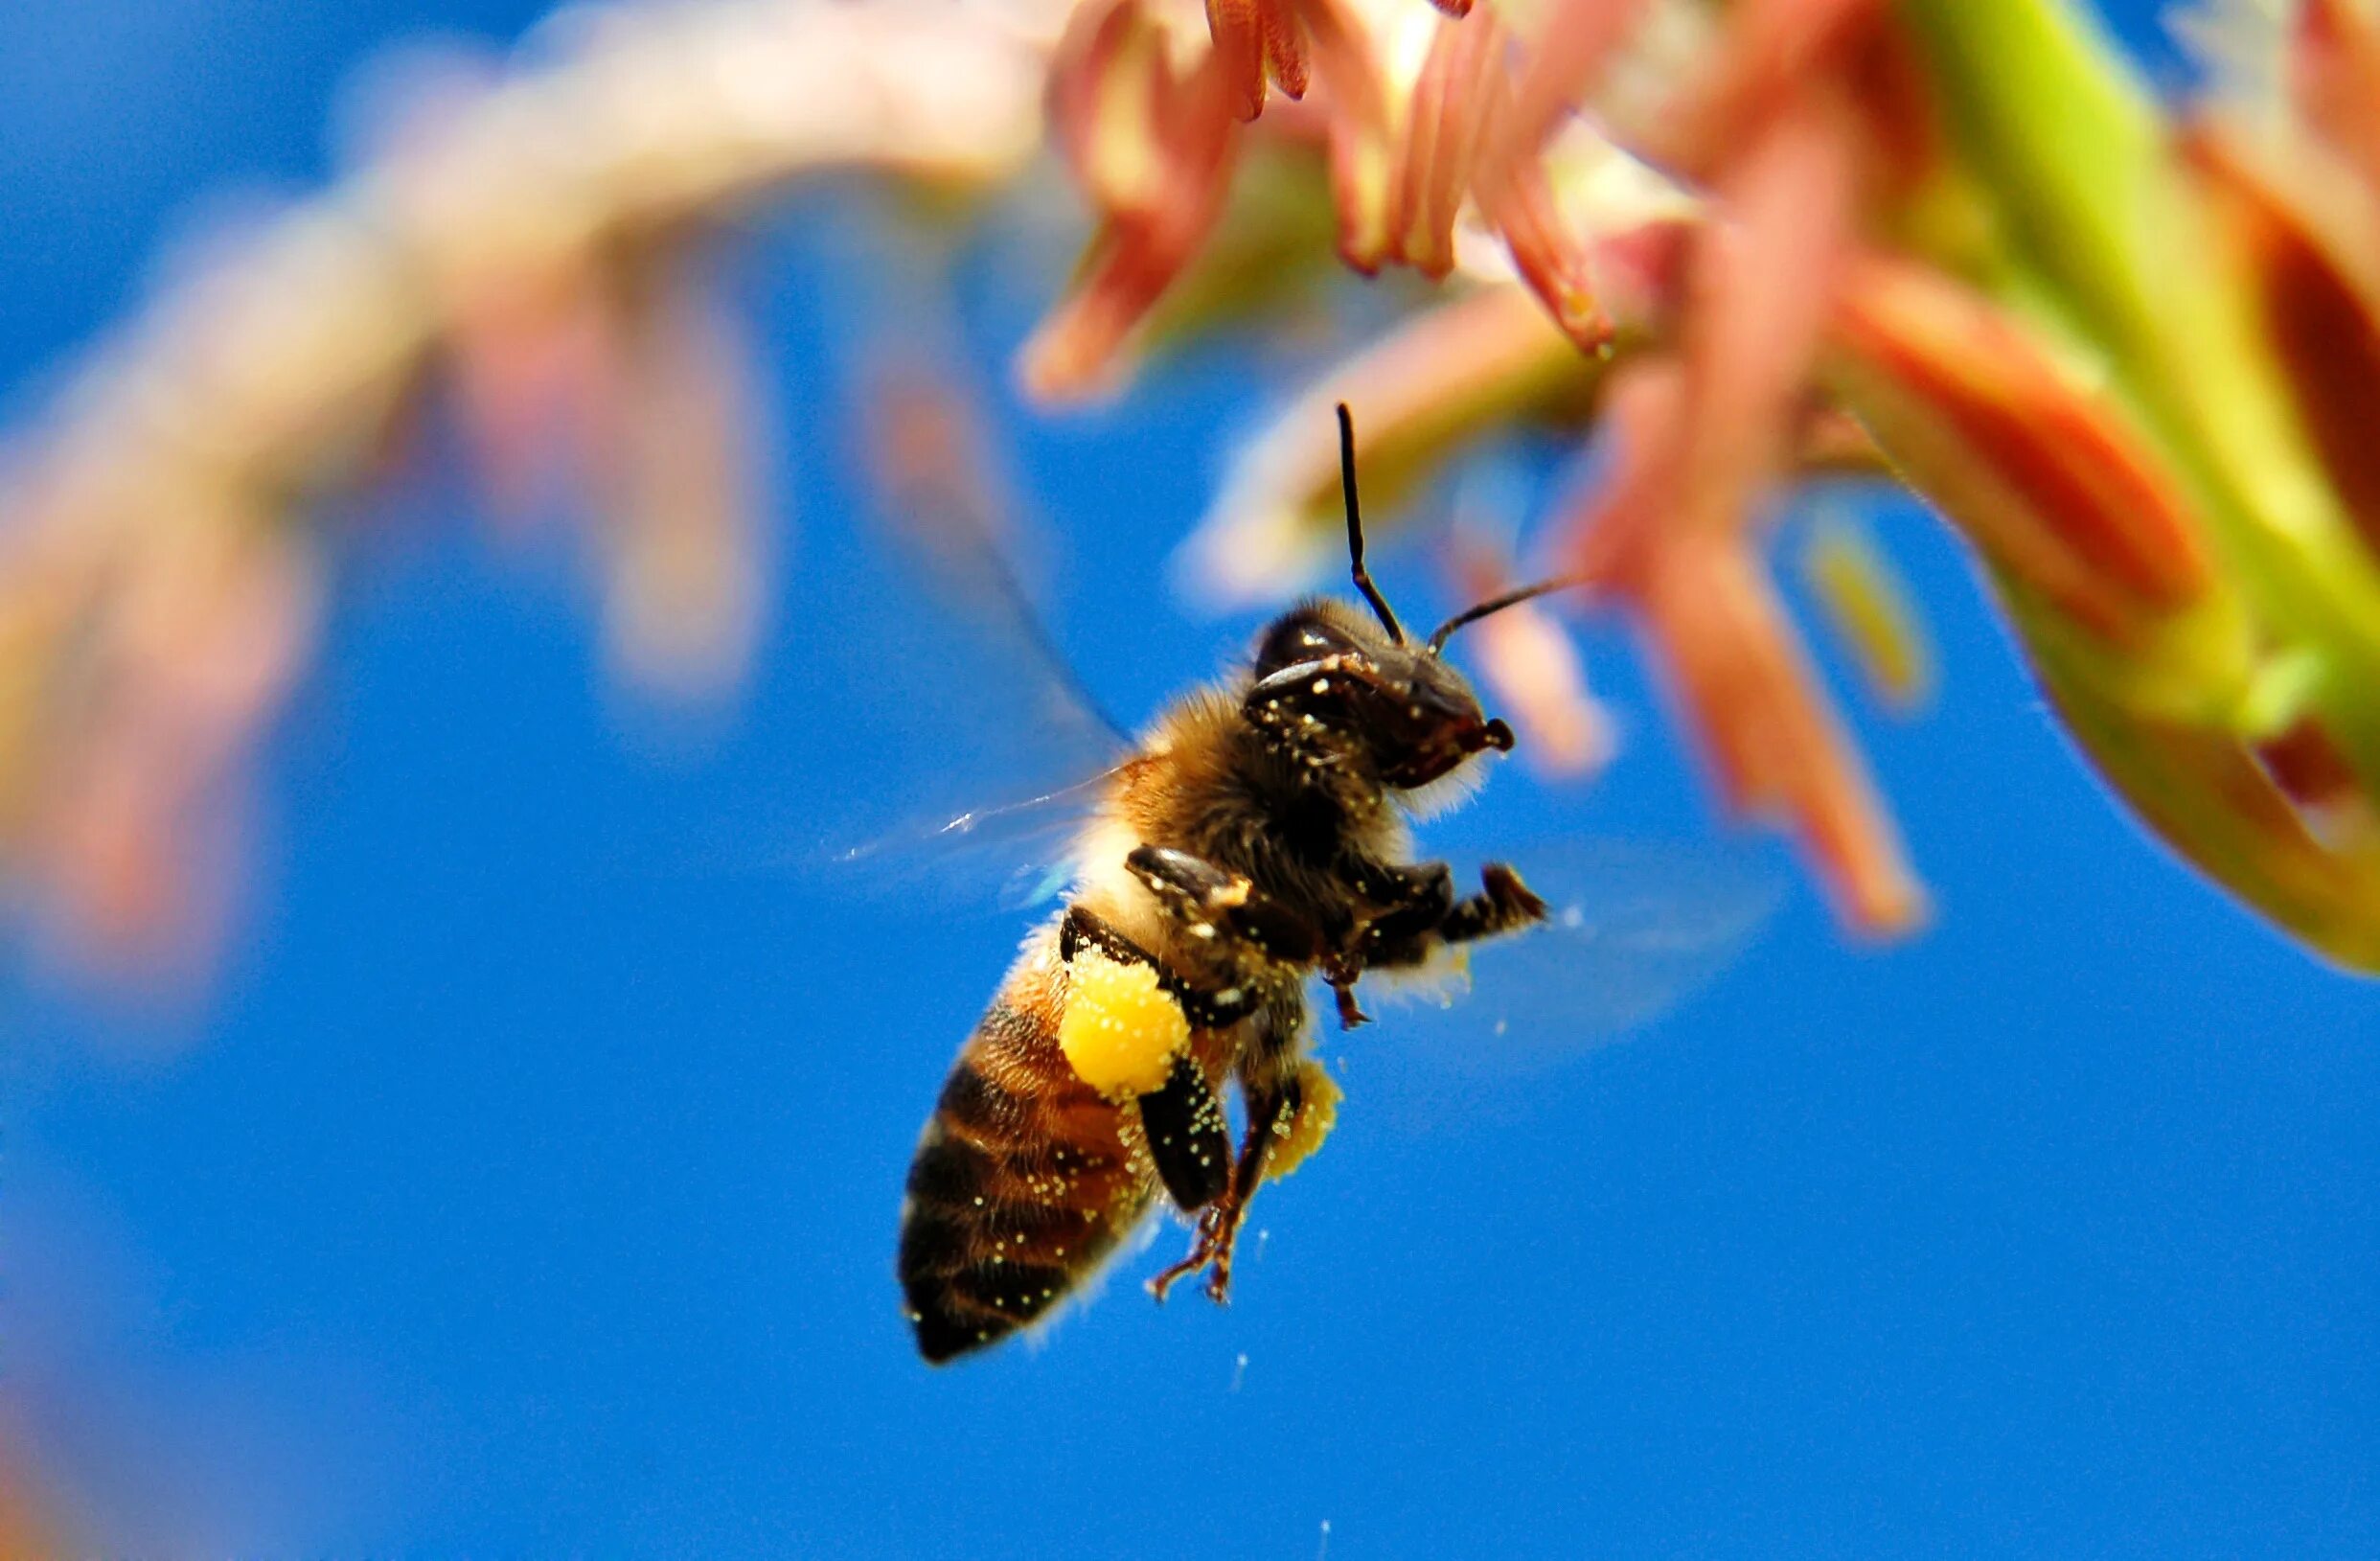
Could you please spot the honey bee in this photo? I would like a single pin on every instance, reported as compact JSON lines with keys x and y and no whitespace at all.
{"x":1256,"y":837}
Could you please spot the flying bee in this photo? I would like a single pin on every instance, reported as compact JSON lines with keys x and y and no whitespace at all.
{"x":1256,"y":838}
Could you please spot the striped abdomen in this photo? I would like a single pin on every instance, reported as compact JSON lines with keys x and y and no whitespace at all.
{"x":1022,"y":1182}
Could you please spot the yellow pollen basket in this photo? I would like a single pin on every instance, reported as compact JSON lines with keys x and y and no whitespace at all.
{"x":1121,"y":1031}
{"x":1318,"y":1111}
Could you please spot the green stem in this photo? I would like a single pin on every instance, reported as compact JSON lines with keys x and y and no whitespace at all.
{"x":2077,"y":156}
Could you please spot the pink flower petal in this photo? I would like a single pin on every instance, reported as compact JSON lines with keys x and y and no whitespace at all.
{"x":1718,"y":633}
{"x":2045,"y":474}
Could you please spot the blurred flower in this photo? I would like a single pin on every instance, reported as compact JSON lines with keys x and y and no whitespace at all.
{"x":518,"y":253}
{"x":1445,"y":378}
{"x":2150,"y":437}
{"x":1416,"y":113}
{"x":27,"y":1529}
{"x":2121,"y":350}
{"x":1870,"y":609}
{"x":1152,"y":143}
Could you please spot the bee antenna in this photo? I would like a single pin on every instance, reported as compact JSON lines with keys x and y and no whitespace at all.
{"x":1355,"y":526}
{"x":1497,"y":604}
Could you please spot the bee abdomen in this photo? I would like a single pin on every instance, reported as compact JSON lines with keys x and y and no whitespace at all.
{"x":1020,"y":1186}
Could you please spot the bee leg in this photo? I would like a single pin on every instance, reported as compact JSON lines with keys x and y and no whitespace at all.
{"x":1201,"y":1254}
{"x":1217,"y":904}
{"x":1218,"y":1233}
{"x":1341,"y":972}
{"x":1504,"y":904}
{"x":1189,"y":1137}
{"x":1270,"y":1112}
{"x":1084,"y":927}
{"x":1219,"y":1221}
{"x":1422,"y":897}
{"x":1418,"y":900}
{"x":1269,"y":1089}
{"x":1214,"y":902}
{"x":1206,"y":1010}
{"x":1407,"y":937}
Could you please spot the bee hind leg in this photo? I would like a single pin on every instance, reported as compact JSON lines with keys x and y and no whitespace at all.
{"x":1181,"y":1121}
{"x":1219,"y":1222}
{"x":1207,"y":1010}
{"x":1271,"y":1111}
{"x":1189,"y":1137}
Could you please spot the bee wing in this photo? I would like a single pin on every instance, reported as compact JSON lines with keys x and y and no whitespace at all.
{"x":948,"y":750}
{"x":1019,"y":749}
{"x":1634,"y":929}
{"x":935,"y":793}
{"x":1019,"y":852}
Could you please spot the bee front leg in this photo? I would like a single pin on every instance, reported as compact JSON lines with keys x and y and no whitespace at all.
{"x":1417,"y":902}
{"x":1504,"y":904}
{"x":1432,"y":917}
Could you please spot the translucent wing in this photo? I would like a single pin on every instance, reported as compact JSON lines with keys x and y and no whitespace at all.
{"x":1019,"y":852}
{"x":940,"y":747}
{"x":1635,"y":931}
{"x":939,"y":825}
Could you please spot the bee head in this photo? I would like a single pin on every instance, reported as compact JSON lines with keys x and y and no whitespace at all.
{"x":1328,"y":681}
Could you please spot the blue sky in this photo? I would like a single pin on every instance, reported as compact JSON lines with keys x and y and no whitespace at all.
{"x":529,"y":1187}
